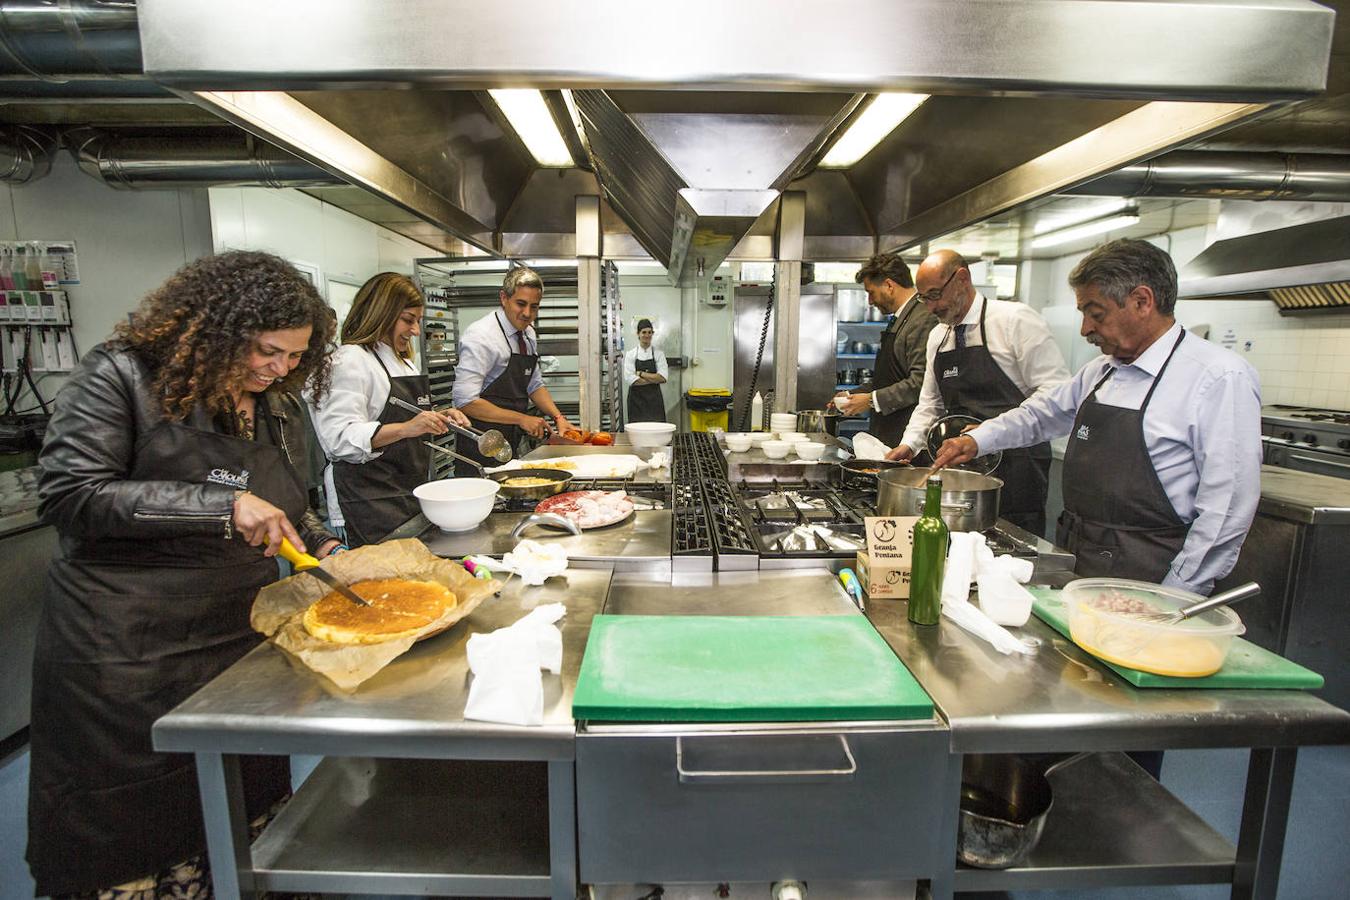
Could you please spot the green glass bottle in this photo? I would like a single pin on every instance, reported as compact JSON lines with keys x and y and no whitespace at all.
{"x":929,"y":560}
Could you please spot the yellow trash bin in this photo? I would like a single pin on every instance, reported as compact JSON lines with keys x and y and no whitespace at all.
{"x":708,"y":408}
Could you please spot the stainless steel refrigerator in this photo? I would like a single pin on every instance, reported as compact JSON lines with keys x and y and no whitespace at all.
{"x":815,"y":350}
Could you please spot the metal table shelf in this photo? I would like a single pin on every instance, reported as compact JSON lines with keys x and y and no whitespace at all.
{"x":1112,"y":825}
{"x":413,"y":711}
{"x":361,"y":824}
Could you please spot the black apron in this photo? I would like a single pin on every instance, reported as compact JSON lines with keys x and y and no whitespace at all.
{"x":645,"y":401}
{"x":972,"y":384}
{"x":510,"y":390}
{"x":377,"y":496}
{"x":1117,"y":519}
{"x":890,"y":427}
{"x":129,"y":630}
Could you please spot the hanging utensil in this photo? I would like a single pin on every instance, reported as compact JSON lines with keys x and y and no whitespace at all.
{"x":491,"y":443}
{"x":303,"y":562}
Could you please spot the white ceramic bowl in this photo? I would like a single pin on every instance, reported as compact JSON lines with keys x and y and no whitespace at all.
{"x":792,"y":437}
{"x":759,"y":437}
{"x":809,"y":449}
{"x":457,"y":504}
{"x":649,"y":435}
{"x":738,"y":443}
{"x":775,"y":449}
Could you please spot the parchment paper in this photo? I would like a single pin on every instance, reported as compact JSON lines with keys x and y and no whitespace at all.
{"x":279,"y":609}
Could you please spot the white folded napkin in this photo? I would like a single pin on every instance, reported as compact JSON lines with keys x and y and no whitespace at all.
{"x":508,"y":685}
{"x":660,"y":459}
{"x":535,"y":562}
{"x":867,"y":447}
{"x":968,"y":554}
{"x":1002,"y":596}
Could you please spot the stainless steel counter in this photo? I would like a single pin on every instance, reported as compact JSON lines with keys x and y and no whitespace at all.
{"x":641,"y":542}
{"x":268,"y":703}
{"x":1304,"y":496}
{"x":1062,"y":699}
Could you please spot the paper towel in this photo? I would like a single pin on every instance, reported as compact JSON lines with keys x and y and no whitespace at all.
{"x":508,"y":684}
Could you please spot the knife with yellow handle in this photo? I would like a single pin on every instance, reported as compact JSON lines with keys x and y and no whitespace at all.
{"x":303,"y":562}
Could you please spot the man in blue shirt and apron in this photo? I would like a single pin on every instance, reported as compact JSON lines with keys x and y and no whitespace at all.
{"x":497,"y":376}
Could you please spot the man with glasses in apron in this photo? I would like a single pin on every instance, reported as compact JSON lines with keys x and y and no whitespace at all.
{"x":1163,"y":470}
{"x":990,"y":356}
{"x":498,"y":377}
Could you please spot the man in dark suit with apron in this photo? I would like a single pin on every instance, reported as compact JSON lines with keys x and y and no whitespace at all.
{"x":498,"y":377}
{"x":991,"y":356}
{"x":898,"y":374}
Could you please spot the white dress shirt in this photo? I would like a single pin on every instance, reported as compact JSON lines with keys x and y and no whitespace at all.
{"x":631,"y":357}
{"x":1020,"y":343}
{"x":484,"y":354}
{"x":348,"y":417}
{"x":1202,"y":430}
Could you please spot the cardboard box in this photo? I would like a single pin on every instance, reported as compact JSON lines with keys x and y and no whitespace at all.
{"x":883,"y":568}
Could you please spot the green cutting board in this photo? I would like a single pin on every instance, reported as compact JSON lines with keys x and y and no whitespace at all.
{"x":742,"y":669}
{"x":1247,"y":665}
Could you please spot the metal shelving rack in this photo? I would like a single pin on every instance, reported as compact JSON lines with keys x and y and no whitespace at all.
{"x":451,"y":287}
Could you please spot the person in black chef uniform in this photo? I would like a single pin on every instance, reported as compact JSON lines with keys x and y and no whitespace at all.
{"x":171,"y":470}
{"x":376,"y":447}
{"x":644,"y":371}
{"x":898,"y":375}
{"x":498,"y":377}
{"x":992,"y":355}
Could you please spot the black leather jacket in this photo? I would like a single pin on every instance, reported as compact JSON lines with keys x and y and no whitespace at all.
{"x":91,"y":443}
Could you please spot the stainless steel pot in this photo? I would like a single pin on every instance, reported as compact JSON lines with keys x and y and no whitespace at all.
{"x":969,"y":500}
{"x":1004,"y":802}
{"x":850,"y":304}
{"x":811,"y":421}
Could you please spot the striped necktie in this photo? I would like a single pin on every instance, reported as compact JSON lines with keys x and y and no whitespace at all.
{"x":960,"y":337}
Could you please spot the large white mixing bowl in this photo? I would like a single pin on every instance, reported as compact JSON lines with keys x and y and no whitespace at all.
{"x":457,"y":504}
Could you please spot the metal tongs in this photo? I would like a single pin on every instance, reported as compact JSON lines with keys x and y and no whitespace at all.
{"x":491,"y":443}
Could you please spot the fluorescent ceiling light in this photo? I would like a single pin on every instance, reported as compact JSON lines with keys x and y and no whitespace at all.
{"x":1087,"y":229}
{"x":879,"y":119}
{"x":1070,"y":217}
{"x":529,"y":116}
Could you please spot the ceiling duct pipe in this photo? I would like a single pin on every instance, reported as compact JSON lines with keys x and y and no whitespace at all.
{"x":26,"y":153}
{"x":1229,"y":175}
{"x":61,"y":40}
{"x":192,"y":159}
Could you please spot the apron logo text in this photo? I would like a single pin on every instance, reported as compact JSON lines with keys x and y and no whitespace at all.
{"x":228,"y":478}
{"x":1082,"y":433}
{"x":952,"y":372}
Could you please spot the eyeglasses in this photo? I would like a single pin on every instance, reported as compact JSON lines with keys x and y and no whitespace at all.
{"x":935,"y":295}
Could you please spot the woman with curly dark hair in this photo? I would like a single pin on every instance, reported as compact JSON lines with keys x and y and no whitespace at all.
{"x":170,"y":472}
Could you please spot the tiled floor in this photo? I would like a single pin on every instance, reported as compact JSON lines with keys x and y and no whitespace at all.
{"x":1316,"y":864}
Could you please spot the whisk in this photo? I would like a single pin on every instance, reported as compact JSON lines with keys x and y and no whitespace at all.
{"x":1250,"y":589}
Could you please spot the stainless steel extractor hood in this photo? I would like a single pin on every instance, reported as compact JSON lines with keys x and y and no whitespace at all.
{"x":1303,"y":268}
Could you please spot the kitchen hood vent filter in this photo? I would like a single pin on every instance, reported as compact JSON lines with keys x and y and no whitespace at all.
{"x":1313,"y":298}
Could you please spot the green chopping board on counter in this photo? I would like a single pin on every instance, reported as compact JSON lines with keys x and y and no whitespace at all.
{"x":743,"y":669}
{"x":1246,"y":666}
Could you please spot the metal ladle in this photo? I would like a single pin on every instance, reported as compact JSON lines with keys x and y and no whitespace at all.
{"x":491,"y":443}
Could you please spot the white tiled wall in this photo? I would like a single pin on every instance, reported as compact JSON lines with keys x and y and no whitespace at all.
{"x":1303,"y":361}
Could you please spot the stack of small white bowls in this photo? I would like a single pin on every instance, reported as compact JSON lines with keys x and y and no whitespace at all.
{"x":782,"y":422}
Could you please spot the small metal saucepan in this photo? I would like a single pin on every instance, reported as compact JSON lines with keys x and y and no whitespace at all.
{"x":558,"y":480}
{"x":863,"y":472}
{"x":1004,"y":801}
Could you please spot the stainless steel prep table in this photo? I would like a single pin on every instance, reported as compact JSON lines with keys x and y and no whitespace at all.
{"x":1112,"y":825}
{"x":362,"y":822}
{"x":758,"y":802}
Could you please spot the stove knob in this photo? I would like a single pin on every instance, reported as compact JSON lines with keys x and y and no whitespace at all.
{"x":1286,"y":435}
{"x":1310,"y":439}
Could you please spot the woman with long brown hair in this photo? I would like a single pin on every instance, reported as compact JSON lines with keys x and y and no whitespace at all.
{"x":374,"y":445}
{"x":170,"y":473}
